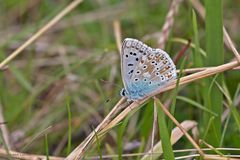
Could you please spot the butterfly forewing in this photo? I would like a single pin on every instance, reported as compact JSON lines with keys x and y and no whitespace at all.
{"x":132,"y":51}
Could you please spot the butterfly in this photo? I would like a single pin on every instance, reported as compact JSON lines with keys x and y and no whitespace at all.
{"x":144,"y":69}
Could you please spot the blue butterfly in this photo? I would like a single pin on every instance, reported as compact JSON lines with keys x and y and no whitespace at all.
{"x":144,"y":69}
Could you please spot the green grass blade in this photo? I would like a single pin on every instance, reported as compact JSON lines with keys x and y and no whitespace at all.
{"x":122,"y":128}
{"x":98,"y":145}
{"x":192,"y":45}
{"x":224,"y":130}
{"x":2,"y":141}
{"x":46,"y":147}
{"x":173,"y":106}
{"x":233,"y":109}
{"x":196,"y":104}
{"x":21,"y":79}
{"x":197,"y":59}
{"x":164,"y":134}
{"x":215,"y":56}
{"x":207,"y":128}
{"x":69,"y":127}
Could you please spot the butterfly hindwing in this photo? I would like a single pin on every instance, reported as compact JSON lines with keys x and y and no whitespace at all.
{"x":144,"y":69}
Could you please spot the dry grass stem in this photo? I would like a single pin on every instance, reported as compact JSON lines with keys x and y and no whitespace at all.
{"x":77,"y":153}
{"x":194,"y":70}
{"x":175,"y":136}
{"x":184,"y":80}
{"x":58,"y":17}
{"x":117,"y":34}
{"x":180,"y":127}
{"x":168,"y":23}
{"x":154,"y":127}
{"x":24,"y":156}
{"x":231,"y":45}
{"x":4,"y":129}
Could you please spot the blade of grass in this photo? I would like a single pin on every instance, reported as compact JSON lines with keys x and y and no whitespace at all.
{"x":69,"y":126}
{"x":46,"y":147}
{"x":2,"y":141}
{"x":21,"y":79}
{"x":207,"y":128}
{"x":231,"y":106}
{"x":164,"y":134}
{"x":46,"y":27}
{"x":141,"y":148}
{"x":196,"y":104}
{"x":173,"y":106}
{"x":184,"y":41}
{"x":214,"y":48}
{"x":122,"y":128}
{"x":224,"y":130}
{"x":197,"y":59}
{"x":98,"y":145}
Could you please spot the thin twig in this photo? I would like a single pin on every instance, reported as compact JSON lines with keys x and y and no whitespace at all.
{"x":24,"y":156}
{"x":77,"y":153}
{"x":4,"y":129}
{"x":231,"y":45}
{"x":154,"y":127}
{"x":117,"y":34}
{"x":183,"y":80}
{"x":180,"y":127}
{"x":58,"y":17}
{"x":168,"y":23}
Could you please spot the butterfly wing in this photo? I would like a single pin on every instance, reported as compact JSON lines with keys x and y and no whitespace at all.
{"x":132,"y":51}
{"x":154,"y":70}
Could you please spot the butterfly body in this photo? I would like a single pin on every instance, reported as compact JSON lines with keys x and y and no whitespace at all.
{"x":144,"y":69}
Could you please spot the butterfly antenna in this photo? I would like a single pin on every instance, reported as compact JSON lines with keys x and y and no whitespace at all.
{"x":2,"y":123}
{"x":111,"y":83}
{"x":181,"y":52}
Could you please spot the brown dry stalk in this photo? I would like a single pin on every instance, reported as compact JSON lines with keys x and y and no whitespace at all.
{"x":24,"y":156}
{"x":194,"y":70}
{"x":58,"y":17}
{"x":180,"y":127}
{"x":79,"y":151}
{"x":117,"y":34}
{"x":176,"y":134}
{"x":168,"y":23}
